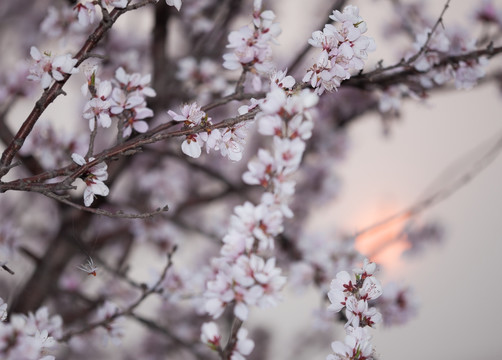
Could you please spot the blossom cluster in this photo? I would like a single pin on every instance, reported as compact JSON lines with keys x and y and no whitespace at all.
{"x":243,"y":275}
{"x":30,"y":337}
{"x":344,"y":48}
{"x":252,"y":45}
{"x":124,"y":98}
{"x":432,"y":52}
{"x":353,"y":295}
{"x":229,"y":141}
{"x":442,"y":43}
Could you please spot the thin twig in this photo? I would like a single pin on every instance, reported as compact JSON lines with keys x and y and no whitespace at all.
{"x":443,"y":193}
{"x":232,"y":341}
{"x":152,"y":325}
{"x":130,"y":309}
{"x":429,"y":35}
{"x":118,"y":214}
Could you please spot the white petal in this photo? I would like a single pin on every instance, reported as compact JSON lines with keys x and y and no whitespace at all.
{"x":79,"y":159}
{"x":191,"y":148}
{"x":35,"y":53}
{"x":241,"y":311}
{"x":140,"y":126}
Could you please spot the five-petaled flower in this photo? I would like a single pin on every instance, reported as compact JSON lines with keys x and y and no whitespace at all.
{"x":93,"y":179}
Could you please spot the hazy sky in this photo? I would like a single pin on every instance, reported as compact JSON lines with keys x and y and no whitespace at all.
{"x":456,"y":282}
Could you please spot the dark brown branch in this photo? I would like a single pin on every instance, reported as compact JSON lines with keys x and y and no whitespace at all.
{"x":386,"y":77}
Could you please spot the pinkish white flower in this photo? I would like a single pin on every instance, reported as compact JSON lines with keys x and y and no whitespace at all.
{"x":93,"y":179}
{"x":46,"y":68}
{"x":252,"y":45}
{"x":134,"y":82}
{"x":210,"y":335}
{"x":113,"y":328}
{"x":357,"y":346}
{"x":86,"y":13}
{"x":344,"y":48}
{"x":191,"y":115}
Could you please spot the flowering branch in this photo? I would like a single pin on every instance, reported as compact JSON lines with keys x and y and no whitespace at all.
{"x":380,"y":78}
{"x":36,"y":183}
{"x":56,"y":89}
